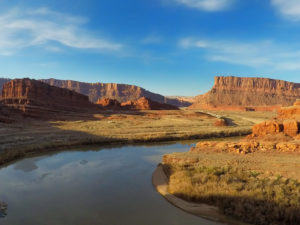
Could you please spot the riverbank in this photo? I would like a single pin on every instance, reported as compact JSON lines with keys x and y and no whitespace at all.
{"x":160,"y":181}
{"x":30,"y":136}
{"x":259,"y":188}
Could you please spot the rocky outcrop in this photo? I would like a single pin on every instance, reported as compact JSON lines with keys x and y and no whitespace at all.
{"x":119,"y":92}
{"x":108,"y":103}
{"x":2,"y":82}
{"x":221,"y":122}
{"x":297,"y":102}
{"x":37,"y":98}
{"x":291,"y":127}
{"x":281,"y":134}
{"x":292,"y":112}
{"x":140,"y":104}
{"x":249,"y":94}
{"x":287,"y":121}
{"x":147,"y":104}
{"x":246,"y":147}
{"x":267,"y":127}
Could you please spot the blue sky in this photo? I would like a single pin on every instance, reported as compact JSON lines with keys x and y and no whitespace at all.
{"x":172,"y":47}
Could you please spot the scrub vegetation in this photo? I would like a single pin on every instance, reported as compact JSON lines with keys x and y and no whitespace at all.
{"x":262,"y":188}
{"x":31,"y":135}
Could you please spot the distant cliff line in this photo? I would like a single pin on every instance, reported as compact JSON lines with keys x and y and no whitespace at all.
{"x":120,"y":92}
{"x":228,"y":93}
{"x":245,"y":93}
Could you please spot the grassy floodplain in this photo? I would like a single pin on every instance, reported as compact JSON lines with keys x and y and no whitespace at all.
{"x":260,"y":188}
{"x":36,"y":135}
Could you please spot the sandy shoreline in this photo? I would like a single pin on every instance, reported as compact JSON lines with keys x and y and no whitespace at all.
{"x":160,"y":182}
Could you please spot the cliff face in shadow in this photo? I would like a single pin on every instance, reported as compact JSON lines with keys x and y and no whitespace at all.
{"x":248,"y":94}
{"x":120,"y":92}
{"x":39,"y":99}
{"x":2,"y":82}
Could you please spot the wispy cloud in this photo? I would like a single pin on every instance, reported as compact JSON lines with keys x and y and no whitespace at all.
{"x":152,"y":39}
{"x":21,"y":28}
{"x":263,"y":54}
{"x":207,"y":5}
{"x":288,"y":8}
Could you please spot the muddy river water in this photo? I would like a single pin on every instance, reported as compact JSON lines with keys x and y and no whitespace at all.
{"x":91,"y":186}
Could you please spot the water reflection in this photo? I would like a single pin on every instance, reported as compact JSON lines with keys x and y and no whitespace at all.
{"x":111,"y":186}
{"x":27,"y":165}
{"x":3,"y":209}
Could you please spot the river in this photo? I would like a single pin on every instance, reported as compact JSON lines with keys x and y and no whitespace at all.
{"x":91,"y":186}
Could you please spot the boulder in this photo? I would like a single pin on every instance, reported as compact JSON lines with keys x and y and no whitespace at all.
{"x":291,"y":127}
{"x":108,"y":103}
{"x":292,"y":112}
{"x":221,"y":122}
{"x":267,"y":127}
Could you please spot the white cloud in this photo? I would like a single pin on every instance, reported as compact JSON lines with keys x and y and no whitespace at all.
{"x":263,"y":54}
{"x":21,"y":28}
{"x":152,"y":39}
{"x":288,"y":8}
{"x":207,"y":5}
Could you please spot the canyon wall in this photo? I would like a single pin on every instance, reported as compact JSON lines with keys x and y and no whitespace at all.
{"x":119,"y":92}
{"x":32,"y":96}
{"x":248,"y":94}
{"x":2,"y":82}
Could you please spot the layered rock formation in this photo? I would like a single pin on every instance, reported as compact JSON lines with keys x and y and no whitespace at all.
{"x":108,"y":103}
{"x":292,"y":112}
{"x":250,"y":94}
{"x":140,"y":104}
{"x":120,"y":92}
{"x":35,"y":98}
{"x":8,"y":115}
{"x":2,"y":82}
{"x":287,"y":122}
{"x":147,"y":104}
{"x":281,"y":134}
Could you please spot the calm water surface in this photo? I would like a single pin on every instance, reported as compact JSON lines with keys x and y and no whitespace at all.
{"x":110,"y":186}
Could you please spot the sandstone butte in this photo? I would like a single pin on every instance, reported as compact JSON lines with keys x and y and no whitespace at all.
{"x":248,"y":94}
{"x":140,"y":104}
{"x":147,"y":104}
{"x":281,"y":134}
{"x":36,"y":98}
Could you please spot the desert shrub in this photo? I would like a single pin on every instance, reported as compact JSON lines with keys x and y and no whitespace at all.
{"x":246,"y":195}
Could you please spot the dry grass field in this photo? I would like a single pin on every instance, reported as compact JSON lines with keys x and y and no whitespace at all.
{"x":259,"y":188}
{"x":32,"y":135}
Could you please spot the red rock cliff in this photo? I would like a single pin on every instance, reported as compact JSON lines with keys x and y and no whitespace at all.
{"x":248,"y":93}
{"x":32,"y":95}
{"x":2,"y":82}
{"x":120,"y":92}
{"x":147,"y":104}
